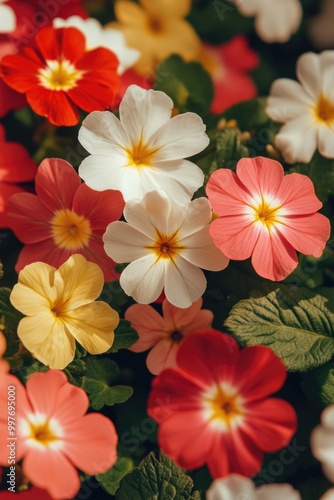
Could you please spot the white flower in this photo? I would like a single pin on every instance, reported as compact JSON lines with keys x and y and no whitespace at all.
{"x":236,"y":487}
{"x":275,"y":20}
{"x":97,"y":36}
{"x":166,"y":244}
{"x":320,"y":27}
{"x":306,"y":108}
{"x":7,"y":18}
{"x":322,"y":442}
{"x":144,"y":149}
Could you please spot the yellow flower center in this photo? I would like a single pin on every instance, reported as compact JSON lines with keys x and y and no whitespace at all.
{"x":70,"y":230}
{"x":223,"y":407}
{"x":266,"y":213}
{"x":166,"y":246}
{"x":42,"y":432}
{"x":324,"y":110}
{"x":59,"y":75}
{"x":140,"y":155}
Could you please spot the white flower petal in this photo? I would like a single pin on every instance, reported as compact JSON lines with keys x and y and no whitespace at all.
{"x":142,"y":112}
{"x":231,"y":488}
{"x":277,"y":492}
{"x":101,"y":172}
{"x":287,"y":100}
{"x":184,"y":283}
{"x":277,"y":21}
{"x":144,"y":279}
{"x":174,"y":143}
{"x":197,"y":216}
{"x":327,"y":71}
{"x":326,"y":141}
{"x":102,"y":133}
{"x":308,"y":71}
{"x":202,"y":252}
{"x":297,"y":139}
{"x":124,"y":243}
{"x":7,"y":19}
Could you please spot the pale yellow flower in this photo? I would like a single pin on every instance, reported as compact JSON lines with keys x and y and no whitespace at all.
{"x":157,"y":30}
{"x":59,"y":307}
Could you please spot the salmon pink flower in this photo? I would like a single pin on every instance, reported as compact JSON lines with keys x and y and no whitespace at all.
{"x":214,"y":409}
{"x":66,"y":217}
{"x":266,"y":215}
{"x":227,"y":65}
{"x":306,"y":109}
{"x":144,"y":149}
{"x":15,"y":167}
{"x":54,"y":436}
{"x":60,"y":76}
{"x":235,"y":487}
{"x":166,"y":243}
{"x":164,"y":334}
{"x":63,"y":301}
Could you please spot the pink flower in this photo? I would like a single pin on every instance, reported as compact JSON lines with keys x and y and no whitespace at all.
{"x":228,"y":64}
{"x":214,"y":409}
{"x":266,"y":215}
{"x":66,"y":217}
{"x":164,"y":334}
{"x":54,"y":436}
{"x":16,"y":166}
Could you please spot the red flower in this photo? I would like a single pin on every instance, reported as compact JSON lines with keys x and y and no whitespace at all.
{"x":33,"y":493}
{"x":66,"y":217}
{"x":214,"y":408}
{"x":59,"y":75}
{"x":266,"y":215}
{"x":15,"y":166}
{"x":227,"y":65}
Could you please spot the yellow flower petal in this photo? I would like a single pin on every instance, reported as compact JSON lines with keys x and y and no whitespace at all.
{"x":78,"y":282}
{"x":168,"y":8}
{"x":93,"y":326}
{"x":47,"y":339}
{"x":129,"y":13}
{"x":34,"y":290}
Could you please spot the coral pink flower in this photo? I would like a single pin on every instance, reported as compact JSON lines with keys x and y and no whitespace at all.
{"x":66,"y":217}
{"x":266,"y":215}
{"x":227,"y":65}
{"x":214,"y":408}
{"x":15,"y":166}
{"x":4,"y":366}
{"x":60,"y":76}
{"x":54,"y":436}
{"x":164,"y":334}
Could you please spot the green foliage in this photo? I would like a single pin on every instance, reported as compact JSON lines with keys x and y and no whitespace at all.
{"x":12,"y":316}
{"x":187,"y":84}
{"x":125,"y":336}
{"x":100,"y":373}
{"x":318,"y":385}
{"x":321,"y":172}
{"x":157,"y":478}
{"x":250,"y":114}
{"x":110,"y":480}
{"x":296,"y":323}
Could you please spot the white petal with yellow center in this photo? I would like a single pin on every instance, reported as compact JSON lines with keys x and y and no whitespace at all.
{"x":42,"y":432}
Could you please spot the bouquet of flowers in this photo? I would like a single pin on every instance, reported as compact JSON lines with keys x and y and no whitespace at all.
{"x":166,"y":273}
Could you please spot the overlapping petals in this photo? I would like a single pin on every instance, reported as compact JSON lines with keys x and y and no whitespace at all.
{"x":235,"y":486}
{"x":267,"y":216}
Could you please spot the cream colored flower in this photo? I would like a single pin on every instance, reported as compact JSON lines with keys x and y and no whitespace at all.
{"x":322,"y":442}
{"x":59,"y":307}
{"x":7,"y":18}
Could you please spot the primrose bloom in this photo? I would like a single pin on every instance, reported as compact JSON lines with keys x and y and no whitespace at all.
{"x":322,"y":442}
{"x":236,"y":487}
{"x":144,"y":149}
{"x":214,"y":407}
{"x":60,"y":309}
{"x":266,"y":215}
{"x":54,"y":436}
{"x":166,"y":243}
{"x":306,"y":109}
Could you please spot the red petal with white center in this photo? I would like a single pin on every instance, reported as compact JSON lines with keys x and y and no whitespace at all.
{"x":28,"y":218}
{"x":307,"y":234}
{"x":268,"y":373}
{"x":52,"y":471}
{"x":270,"y":424}
{"x":91,"y":444}
{"x":273,"y":257}
{"x":62,"y":43}
{"x":149,"y":324}
{"x":235,"y":236}
{"x":57,"y":107}
{"x":226,"y":193}
{"x":260,"y":175}
{"x":296,"y":196}
{"x":210,"y":348}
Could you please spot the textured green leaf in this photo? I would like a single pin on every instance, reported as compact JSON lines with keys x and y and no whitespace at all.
{"x":296,"y":323}
{"x":100,"y":373}
{"x":187,"y":84}
{"x":113,"y":294}
{"x":318,"y":385}
{"x":75,"y":372}
{"x":249,"y":114}
{"x":125,"y":336}
{"x":157,"y":478}
{"x":12,"y":316}
{"x":110,"y":480}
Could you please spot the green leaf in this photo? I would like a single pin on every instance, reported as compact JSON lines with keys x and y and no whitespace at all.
{"x":75,"y":372}
{"x":321,"y":172}
{"x":110,"y":480}
{"x":100,"y":372}
{"x":125,"y":336}
{"x":187,"y":84}
{"x":157,"y":478}
{"x":250,"y":114}
{"x":114,"y":295}
{"x":12,"y":316}
{"x":296,"y":323}
{"x":318,"y":385}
